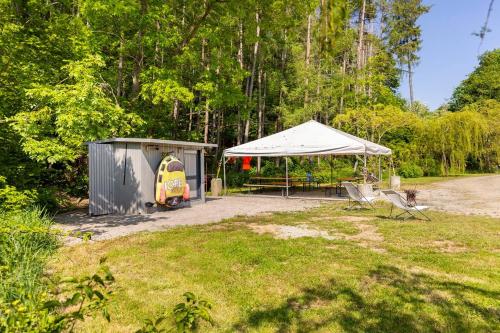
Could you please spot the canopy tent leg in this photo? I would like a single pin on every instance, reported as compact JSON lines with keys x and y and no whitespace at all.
{"x":286,"y":172}
{"x":365,"y":170}
{"x":331,"y":170}
{"x":379,"y":168}
{"x":224,"y":172}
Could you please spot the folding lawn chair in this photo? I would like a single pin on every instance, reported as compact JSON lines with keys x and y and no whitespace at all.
{"x":356,"y":198}
{"x":397,"y":200}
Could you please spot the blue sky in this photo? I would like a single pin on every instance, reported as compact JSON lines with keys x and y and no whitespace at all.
{"x":449,"y":50}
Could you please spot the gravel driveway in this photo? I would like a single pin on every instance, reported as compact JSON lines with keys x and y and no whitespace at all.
{"x":214,"y":210}
{"x":469,"y":195}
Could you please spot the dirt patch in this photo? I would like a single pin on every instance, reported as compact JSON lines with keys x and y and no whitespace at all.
{"x":453,"y":277}
{"x":225,"y":226}
{"x":447,"y":246}
{"x":356,"y":218}
{"x":368,"y":232}
{"x":438,"y":296}
{"x":288,"y":231}
{"x":368,"y":236}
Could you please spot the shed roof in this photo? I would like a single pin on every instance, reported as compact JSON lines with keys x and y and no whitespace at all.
{"x":157,"y":142}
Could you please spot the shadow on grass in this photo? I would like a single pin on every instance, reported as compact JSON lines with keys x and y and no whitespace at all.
{"x":391,"y":301}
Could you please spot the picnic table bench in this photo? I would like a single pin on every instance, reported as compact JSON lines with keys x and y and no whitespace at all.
{"x":292,"y":181}
{"x":282,"y":186}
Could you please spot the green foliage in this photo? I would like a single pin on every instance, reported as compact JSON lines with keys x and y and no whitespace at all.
{"x":31,"y":300}
{"x":218,"y":71}
{"x":410,"y":170}
{"x":403,"y":32}
{"x":13,"y":199}
{"x":25,"y":245}
{"x":237,"y":178}
{"x":482,"y":84}
{"x":187,"y":316}
{"x":453,"y":137}
{"x":65,"y":116}
{"x":189,"y":313}
{"x":153,"y":325}
{"x":373,"y":123}
{"x":70,"y":300}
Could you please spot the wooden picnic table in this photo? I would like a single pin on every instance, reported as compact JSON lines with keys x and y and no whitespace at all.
{"x":282,"y":181}
{"x":275,"y":178}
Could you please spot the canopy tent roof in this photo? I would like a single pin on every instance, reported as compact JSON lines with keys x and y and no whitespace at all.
{"x":307,"y":139}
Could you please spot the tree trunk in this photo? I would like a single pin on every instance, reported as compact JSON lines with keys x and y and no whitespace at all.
{"x":139,"y":59}
{"x":261,"y":105}
{"x":410,"y":82}
{"x":369,"y":54}
{"x":239,"y":133}
{"x":252,"y":77}
{"x":361,"y":32}
{"x":207,"y":122}
{"x":206,"y":66}
{"x":308,"y":59}
{"x":119,"y":78}
{"x":190,"y":125}
{"x":343,"y":71}
{"x":175,"y":111}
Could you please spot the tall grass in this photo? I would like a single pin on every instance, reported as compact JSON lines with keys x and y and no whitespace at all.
{"x":25,"y":246}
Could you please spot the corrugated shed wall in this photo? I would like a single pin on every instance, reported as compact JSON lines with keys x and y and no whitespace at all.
{"x":127,"y":176}
{"x":122,"y":175}
{"x":202,"y":175}
{"x":101,"y":190}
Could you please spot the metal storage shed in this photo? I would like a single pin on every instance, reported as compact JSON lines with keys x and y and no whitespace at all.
{"x":122,"y":172}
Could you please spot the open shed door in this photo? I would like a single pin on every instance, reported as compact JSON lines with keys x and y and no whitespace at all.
{"x":192,"y":167}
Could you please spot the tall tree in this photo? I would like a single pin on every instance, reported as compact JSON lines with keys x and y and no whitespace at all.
{"x":482,"y":84}
{"x":404,"y":34}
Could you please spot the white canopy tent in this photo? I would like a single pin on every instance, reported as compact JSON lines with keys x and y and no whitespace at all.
{"x":308,"y":139}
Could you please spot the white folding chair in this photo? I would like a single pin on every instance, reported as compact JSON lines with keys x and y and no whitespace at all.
{"x":397,"y":200}
{"x":356,"y":198}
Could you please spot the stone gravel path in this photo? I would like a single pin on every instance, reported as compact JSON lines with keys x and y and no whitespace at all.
{"x":478,"y":195}
{"x":214,"y":210}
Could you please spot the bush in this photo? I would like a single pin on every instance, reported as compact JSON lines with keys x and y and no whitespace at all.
{"x":410,"y":170}
{"x":30,"y":301}
{"x":25,"y":245}
{"x":237,"y":179}
{"x":14,"y":199}
{"x":430,"y":167}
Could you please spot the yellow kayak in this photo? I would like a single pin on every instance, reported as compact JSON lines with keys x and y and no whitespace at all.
{"x":170,"y":182}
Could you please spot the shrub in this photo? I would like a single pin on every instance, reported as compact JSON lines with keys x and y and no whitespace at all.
{"x":31,"y":301}
{"x":410,"y":170}
{"x":14,"y":199}
{"x":237,"y":179}
{"x":25,"y":245}
{"x":187,"y":316}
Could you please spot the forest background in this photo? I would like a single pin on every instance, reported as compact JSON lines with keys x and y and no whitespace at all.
{"x":225,"y":72}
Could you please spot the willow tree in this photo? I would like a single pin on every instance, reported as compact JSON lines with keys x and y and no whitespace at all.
{"x":374,"y":123}
{"x":452,"y":138}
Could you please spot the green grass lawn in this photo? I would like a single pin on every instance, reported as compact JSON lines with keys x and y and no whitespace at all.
{"x":377,"y":275}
